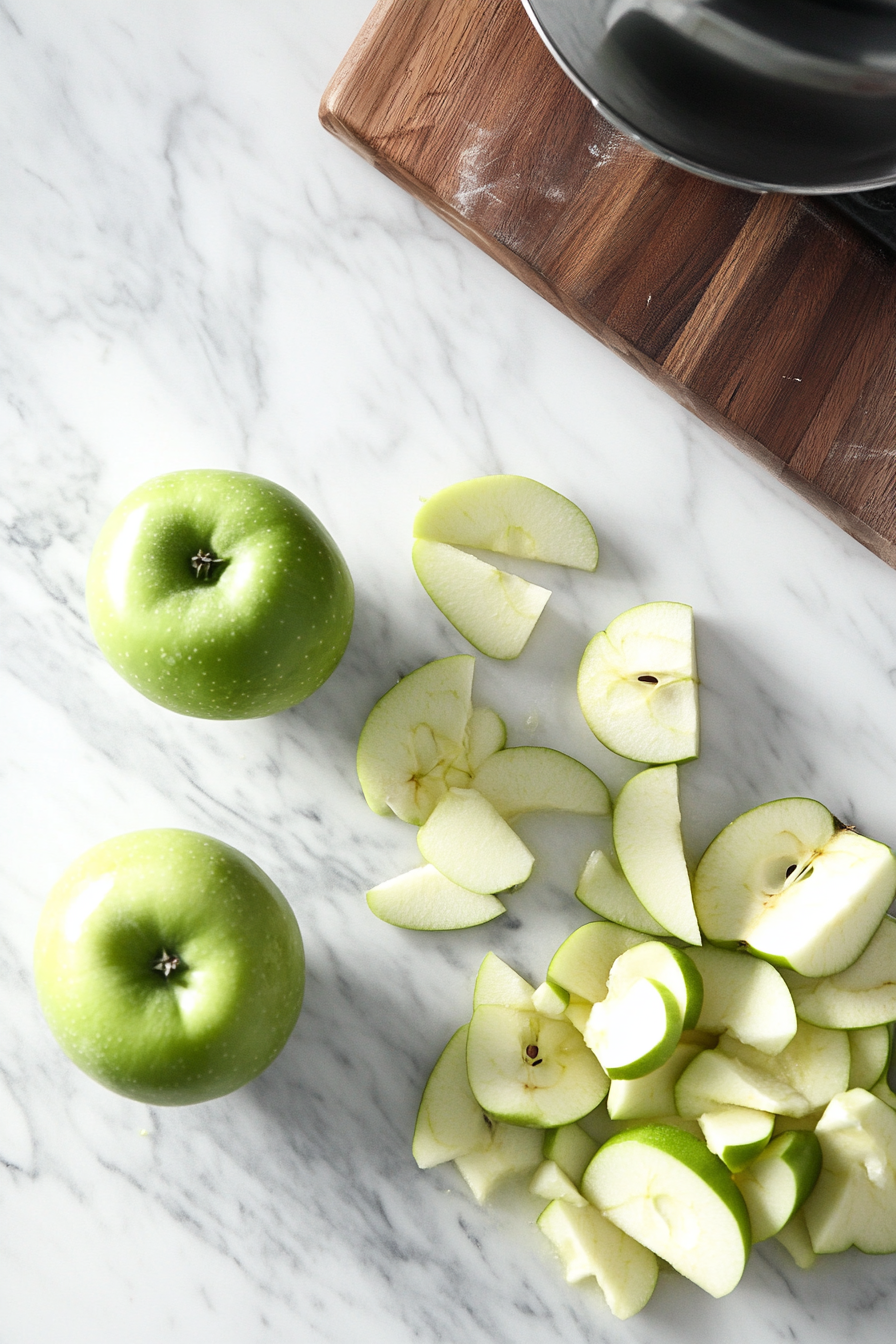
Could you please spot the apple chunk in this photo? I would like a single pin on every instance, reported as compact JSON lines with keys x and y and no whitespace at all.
{"x":864,"y":995}
{"x":737,"y":1135}
{"x":869,"y":1055}
{"x":495,"y":611}
{"x":512,"y":515}
{"x":647,"y":837}
{"x":854,"y":1201}
{"x":635,"y":1031}
{"x":581,"y":965}
{"x":468,"y":841}
{"x":793,"y":885}
{"x":713,"y":1080}
{"x":498,"y":983}
{"x":513,"y":1151}
{"x":539,"y":779}
{"x":571,"y":1148}
{"x":450,"y":1122}
{"x":590,"y":1245}
{"x":604,"y":889}
{"x":779,"y":1181}
{"x":668,"y":965}
{"x":744,"y":996}
{"x":815,"y":1063}
{"x":411,"y":748}
{"x":637,"y":684}
{"x":425,"y":899}
{"x":653,"y":1095}
{"x":486,"y":733}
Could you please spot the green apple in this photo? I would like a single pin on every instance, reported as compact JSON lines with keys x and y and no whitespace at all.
{"x":854,"y":1200}
{"x":539,"y":779}
{"x":647,"y":838}
{"x":864,"y":995}
{"x":589,"y":1245}
{"x":667,"y":1190}
{"x":512,"y":515}
{"x":581,"y":965}
{"x":571,"y":1148}
{"x":425,"y":899}
{"x":745,"y":997}
{"x":604,"y":889}
{"x":869,"y":1055}
{"x":737,"y":1135}
{"x":468,"y":840}
{"x":495,"y":611}
{"x":551,"y":1182}
{"x":637,"y":684}
{"x":794,"y":1236}
{"x":168,"y":966}
{"x":450,"y":1122}
{"x":815,"y":1063}
{"x":635,"y":1031}
{"x":219,"y":595}
{"x":792,"y":884}
{"x":779,"y":1181}
{"x":653,"y":1095}
{"x":412,"y":747}
{"x":498,"y":983}
{"x":668,"y":965}
{"x":713,"y":1080}
{"x":486,"y":733}
{"x":513,"y":1151}
{"x":526,"y":1069}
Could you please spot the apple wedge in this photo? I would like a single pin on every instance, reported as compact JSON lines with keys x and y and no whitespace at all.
{"x":581,"y":964}
{"x":486,"y":733}
{"x":815,"y":1063}
{"x":450,"y":1122}
{"x":589,"y":1245}
{"x":512,"y":515}
{"x":746,"y":997}
{"x":713,"y":1080}
{"x":538,"y":779}
{"x":513,"y":1151}
{"x":531,"y":1070}
{"x":794,"y":1236}
{"x":425,"y":899}
{"x":604,"y":889}
{"x":793,"y":885}
{"x":667,"y":1190}
{"x":635,"y":1031}
{"x":653,"y":1095}
{"x":737,"y":1135}
{"x":647,"y":839}
{"x":637,"y":684}
{"x":571,"y":1148}
{"x":550,"y":1000}
{"x":779,"y":1181}
{"x":864,"y":995}
{"x":854,"y":1200}
{"x":495,"y":611}
{"x":411,"y":748}
{"x":472,"y":845}
{"x":551,"y":1182}
{"x":668,"y":965}
{"x":498,"y":983}
{"x":869,"y":1055}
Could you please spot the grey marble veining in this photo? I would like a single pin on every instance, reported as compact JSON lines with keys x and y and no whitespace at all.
{"x":193,"y":274}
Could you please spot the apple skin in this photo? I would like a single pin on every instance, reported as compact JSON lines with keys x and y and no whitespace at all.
{"x":256,"y":634}
{"x":217,"y":1020}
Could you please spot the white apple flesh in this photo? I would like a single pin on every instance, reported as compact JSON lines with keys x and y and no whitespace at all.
{"x":539,"y":779}
{"x":668,"y":965}
{"x":604,"y":888}
{"x":744,"y":996}
{"x":470,"y":843}
{"x":869,"y":1055}
{"x":737,"y":1134}
{"x":652,"y":1096}
{"x":513,"y":1151}
{"x":854,"y":1200}
{"x":864,"y":995}
{"x":425,"y":899}
{"x":498,"y":983}
{"x":779,"y":1181}
{"x":634,"y":1032}
{"x":571,"y":1148}
{"x":815,"y":1063}
{"x":713,"y":1080}
{"x":450,"y":1121}
{"x":551,"y":1182}
{"x":589,"y":1245}
{"x":581,"y":965}
{"x":486,"y":733}
{"x":647,"y":839}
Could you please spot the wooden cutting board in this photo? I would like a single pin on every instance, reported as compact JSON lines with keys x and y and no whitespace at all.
{"x":770,"y":317}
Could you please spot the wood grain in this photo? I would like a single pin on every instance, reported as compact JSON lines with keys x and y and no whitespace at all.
{"x":770,"y":317}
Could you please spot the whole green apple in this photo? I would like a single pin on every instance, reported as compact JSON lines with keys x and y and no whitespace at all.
{"x":169,"y":967}
{"x":219,"y":595}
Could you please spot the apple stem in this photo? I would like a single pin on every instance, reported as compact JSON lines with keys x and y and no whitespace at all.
{"x":202,"y":563}
{"x":167,"y":963}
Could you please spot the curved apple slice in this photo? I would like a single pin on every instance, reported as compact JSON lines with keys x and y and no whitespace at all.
{"x":411,"y":747}
{"x":513,"y":1151}
{"x":531,"y":1070}
{"x":495,"y":611}
{"x":425,"y":899}
{"x":672,"y":968}
{"x":793,"y":885}
{"x":486,"y":733}
{"x":498,"y":983}
{"x":581,"y":965}
{"x":713,"y":1080}
{"x":450,"y":1122}
{"x":647,"y":839}
{"x":470,"y":843}
{"x":780,"y":1181}
{"x":512,"y":515}
{"x":634,"y":1032}
{"x":604,"y":889}
{"x":539,"y":779}
{"x":637,"y":684}
{"x":864,"y":995}
{"x":737,"y":1135}
{"x":815,"y":1063}
{"x":854,"y":1200}
{"x":869,"y":1055}
{"x":746,"y":997}
{"x":665,"y":1188}
{"x":589,"y":1245}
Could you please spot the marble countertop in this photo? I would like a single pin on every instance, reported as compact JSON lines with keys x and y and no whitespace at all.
{"x":194,"y":274}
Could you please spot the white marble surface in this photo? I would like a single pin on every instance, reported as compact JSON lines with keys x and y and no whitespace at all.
{"x":193,"y":274}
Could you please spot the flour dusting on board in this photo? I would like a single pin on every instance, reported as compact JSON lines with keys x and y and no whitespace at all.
{"x":474,"y":179}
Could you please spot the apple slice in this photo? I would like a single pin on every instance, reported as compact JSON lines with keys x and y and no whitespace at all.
{"x":664,"y":1188}
{"x":746,"y":997}
{"x":635,"y":1031}
{"x":637,"y":684}
{"x":495,"y":611}
{"x":737,"y":1135}
{"x":589,"y":1245}
{"x":551,"y":1182}
{"x":571,"y":1148}
{"x":794,"y":1236}
{"x":869,"y":1055}
{"x":411,"y":748}
{"x":884,"y":1093}
{"x":450,"y":1122}
{"x":780,"y":1181}
{"x":470,"y":843}
{"x":604,"y":889}
{"x":550,"y":1000}
{"x":512,"y":515}
{"x":815,"y":1063}
{"x":652,"y":1096}
{"x":713,"y":1080}
{"x":538,"y":779}
{"x":486,"y":733}
{"x":864,"y":995}
{"x":513,"y":1151}
{"x":647,"y":838}
{"x":581,"y":965}
{"x":854,"y":1201}
{"x":425,"y":899}
{"x":531,"y":1070}
{"x":793,"y":885}
{"x":498,"y":983}
{"x":672,"y":968}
